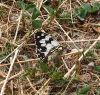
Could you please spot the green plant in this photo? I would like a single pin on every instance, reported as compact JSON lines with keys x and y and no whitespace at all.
{"x":95,"y":8}
{"x":52,"y":12}
{"x":85,"y":8}
{"x":2,"y":14}
{"x":35,"y":13}
{"x":97,"y":68}
{"x":90,"y":56}
{"x":6,"y":51}
{"x":64,"y":15}
{"x":55,"y":74}
{"x":97,"y":45}
{"x":83,"y":91}
{"x":53,"y":8}
{"x":43,"y":66}
{"x":30,"y":72}
{"x":80,"y":13}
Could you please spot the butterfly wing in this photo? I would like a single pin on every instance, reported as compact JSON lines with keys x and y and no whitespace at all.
{"x":44,"y":43}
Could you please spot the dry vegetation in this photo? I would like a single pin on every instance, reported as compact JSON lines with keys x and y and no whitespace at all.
{"x":20,"y":73}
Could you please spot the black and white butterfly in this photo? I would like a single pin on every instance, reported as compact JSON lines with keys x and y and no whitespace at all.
{"x":47,"y":48}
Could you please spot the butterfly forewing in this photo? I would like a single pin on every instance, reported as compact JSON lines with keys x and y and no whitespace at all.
{"x":45,"y":45}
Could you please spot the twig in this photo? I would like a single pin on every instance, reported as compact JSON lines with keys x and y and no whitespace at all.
{"x":39,"y":4}
{"x":4,"y":5}
{"x":75,"y":41}
{"x":71,"y":12}
{"x":21,"y":62}
{"x":70,"y":71}
{"x":12,"y":77}
{"x":65,"y":64}
{"x":28,"y":80}
{"x":12,"y":52}
{"x":19,"y":19}
{"x":10,"y":69}
{"x":66,"y":34}
{"x":63,"y":3}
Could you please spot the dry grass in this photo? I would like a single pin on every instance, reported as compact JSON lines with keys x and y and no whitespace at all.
{"x":79,"y":39}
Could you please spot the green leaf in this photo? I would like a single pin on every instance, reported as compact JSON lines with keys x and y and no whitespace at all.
{"x":36,"y":24}
{"x":30,"y":7}
{"x":95,"y":8}
{"x":80,"y":18}
{"x":90,"y":56}
{"x":30,"y":72}
{"x":7,"y":48}
{"x":97,"y":45}
{"x":76,"y":11}
{"x":57,"y":61}
{"x":97,"y":68}
{"x":80,"y":13}
{"x":26,"y":16}
{"x":21,"y":4}
{"x":43,"y":66}
{"x":83,"y":90}
{"x":2,"y":56}
{"x":50,"y":9}
{"x":35,"y":13}
{"x":87,"y":7}
{"x":57,"y":75}
{"x":96,"y":4}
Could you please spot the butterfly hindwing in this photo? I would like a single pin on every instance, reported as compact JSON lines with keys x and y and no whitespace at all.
{"x":45,"y":45}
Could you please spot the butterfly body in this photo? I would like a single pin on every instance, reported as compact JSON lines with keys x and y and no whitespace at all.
{"x":47,"y":48}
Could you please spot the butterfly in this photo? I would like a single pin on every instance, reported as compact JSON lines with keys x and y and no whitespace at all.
{"x":47,"y":48}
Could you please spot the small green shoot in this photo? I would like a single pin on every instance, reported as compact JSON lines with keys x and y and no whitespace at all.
{"x":36,"y":23}
{"x":21,"y":4}
{"x":55,"y":74}
{"x":83,"y":91}
{"x":43,"y":66}
{"x":85,"y":8}
{"x":96,"y":7}
{"x":6,"y":51}
{"x":2,"y":14}
{"x":30,"y":72}
{"x":90,"y":56}
{"x":52,"y":12}
{"x":7,"y":48}
{"x":97,"y":68}
{"x":30,"y":7}
{"x":35,"y":13}
{"x":97,"y":45}
{"x":57,"y":62}
{"x":80,"y":13}
{"x":53,"y":9}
